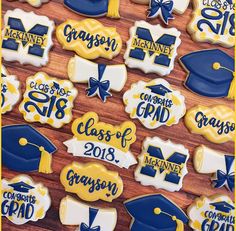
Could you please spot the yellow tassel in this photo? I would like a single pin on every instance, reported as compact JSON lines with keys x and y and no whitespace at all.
{"x":179,"y":223}
{"x":231,"y":93}
{"x":113,"y":9}
{"x":45,"y":161}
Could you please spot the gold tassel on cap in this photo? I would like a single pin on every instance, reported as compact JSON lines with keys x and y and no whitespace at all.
{"x":179,"y":224}
{"x":113,"y":9}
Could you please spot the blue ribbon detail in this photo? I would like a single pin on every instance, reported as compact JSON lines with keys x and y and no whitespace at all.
{"x":165,"y":6}
{"x":227,"y":178}
{"x":92,"y":215}
{"x":101,"y":86}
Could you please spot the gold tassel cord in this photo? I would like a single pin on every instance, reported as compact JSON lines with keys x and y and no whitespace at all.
{"x":113,"y":9}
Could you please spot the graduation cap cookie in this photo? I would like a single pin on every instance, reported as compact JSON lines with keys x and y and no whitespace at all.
{"x":155,"y":213}
{"x":24,"y":149}
{"x":210,"y":73}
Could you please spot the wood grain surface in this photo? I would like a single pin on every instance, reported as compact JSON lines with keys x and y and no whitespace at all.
{"x":113,"y":112}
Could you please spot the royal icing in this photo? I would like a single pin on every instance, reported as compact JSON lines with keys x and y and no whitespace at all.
{"x":101,"y":141}
{"x":98,"y":8}
{"x":212,"y":213}
{"x":154,"y":104}
{"x":160,"y":214}
{"x":89,"y":39}
{"x":34,"y":3}
{"x":48,"y":100}
{"x":10,"y":91}
{"x":210,"y":73}
{"x":221,"y":165}
{"x":91,"y":181}
{"x":215,"y":123}
{"x":26,"y":37}
{"x":152,"y":48}
{"x":24,"y":149}
{"x":23,"y":200}
{"x":213,"y":21}
{"x":89,"y":218}
{"x":162,"y":164}
{"x":101,"y":78}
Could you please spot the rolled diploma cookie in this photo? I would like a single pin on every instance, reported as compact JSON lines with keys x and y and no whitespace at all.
{"x":80,"y":70}
{"x":208,"y":161}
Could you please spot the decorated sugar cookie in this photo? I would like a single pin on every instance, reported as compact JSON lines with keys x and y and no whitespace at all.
{"x":10,"y":91}
{"x":89,"y":218}
{"x":23,"y":200}
{"x":101,"y":141}
{"x":160,"y":214}
{"x":152,"y":48}
{"x":101,"y":78}
{"x":208,"y":161}
{"x":213,"y":21}
{"x":154,"y":104}
{"x":26,"y":37}
{"x":89,"y":39}
{"x":34,"y":3}
{"x":48,"y":100}
{"x":98,"y":8}
{"x":212,"y":213}
{"x":162,"y":164}
{"x":216,"y":123}
{"x":91,"y":181}
{"x":24,"y":149}
{"x":210,"y":73}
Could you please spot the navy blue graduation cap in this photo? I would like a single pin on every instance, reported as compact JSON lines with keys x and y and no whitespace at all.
{"x":24,"y":149}
{"x":210,"y":73}
{"x":159,"y":89}
{"x":21,"y":187}
{"x":223,"y":206}
{"x":155,"y":212}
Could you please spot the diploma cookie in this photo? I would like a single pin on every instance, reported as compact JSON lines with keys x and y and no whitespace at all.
{"x":212,"y":213}
{"x":34,"y":3}
{"x":154,"y":104}
{"x":89,"y":39}
{"x":48,"y":100}
{"x":160,"y":214}
{"x":24,"y":149}
{"x":91,"y":181}
{"x":221,"y":165}
{"x":215,"y":123}
{"x":23,"y":200}
{"x":88,"y":218}
{"x":10,"y":91}
{"x":26,"y":37}
{"x":152,"y":48}
{"x":162,"y":164}
{"x":98,"y":8}
{"x":210,"y":73}
{"x":101,"y":141}
{"x":213,"y":21}
{"x":101,"y":78}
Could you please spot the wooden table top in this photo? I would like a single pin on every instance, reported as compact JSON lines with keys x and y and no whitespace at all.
{"x":112,"y":112}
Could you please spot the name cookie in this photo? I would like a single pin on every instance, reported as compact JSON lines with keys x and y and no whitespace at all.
{"x":34,"y":3}
{"x":26,"y":37}
{"x":24,"y":149}
{"x":10,"y":91}
{"x":212,"y":213}
{"x":48,"y":100}
{"x":162,"y":164}
{"x":160,"y":214}
{"x":216,"y":123}
{"x":222,"y":166}
{"x":154,"y":104}
{"x":101,"y":141}
{"x":98,"y":8}
{"x":91,"y":182}
{"x":89,"y":39}
{"x":101,"y":78}
{"x":213,"y":21}
{"x":152,"y":49}
{"x":23,"y":200}
{"x":73,"y":212}
{"x":210,"y":73}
